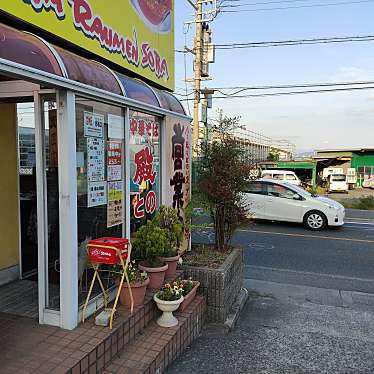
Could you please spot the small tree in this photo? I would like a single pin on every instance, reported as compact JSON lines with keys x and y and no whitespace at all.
{"x":224,"y":175}
{"x":273,"y":155}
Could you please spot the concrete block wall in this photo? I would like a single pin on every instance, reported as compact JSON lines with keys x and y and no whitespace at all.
{"x":220,"y":286}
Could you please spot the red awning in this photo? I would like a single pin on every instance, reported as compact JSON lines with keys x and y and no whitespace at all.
{"x":30,"y":50}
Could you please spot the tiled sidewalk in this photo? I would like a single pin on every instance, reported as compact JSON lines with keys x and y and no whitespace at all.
{"x":27,"y":347}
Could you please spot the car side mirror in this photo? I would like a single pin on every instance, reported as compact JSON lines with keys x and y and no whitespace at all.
{"x":297,"y":197}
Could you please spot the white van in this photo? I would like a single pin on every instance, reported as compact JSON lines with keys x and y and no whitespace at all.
{"x":337,"y":183}
{"x":281,"y":175}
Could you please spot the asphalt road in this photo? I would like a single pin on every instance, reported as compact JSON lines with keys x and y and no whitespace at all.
{"x":338,"y":258}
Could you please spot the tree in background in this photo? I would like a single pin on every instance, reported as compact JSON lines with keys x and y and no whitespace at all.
{"x":273,"y":155}
{"x":225,"y":171}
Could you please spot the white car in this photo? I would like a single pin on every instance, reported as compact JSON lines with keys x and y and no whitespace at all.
{"x":281,"y":175}
{"x":281,"y":201}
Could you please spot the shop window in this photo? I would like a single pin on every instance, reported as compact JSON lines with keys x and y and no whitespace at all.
{"x":100,"y":176}
{"x":144,"y":168}
{"x":365,"y":171}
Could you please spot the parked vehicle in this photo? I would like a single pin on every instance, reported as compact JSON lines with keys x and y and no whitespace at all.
{"x":368,"y":183}
{"x":282,"y":175}
{"x":337,"y":183}
{"x":331,"y":170}
{"x":282,"y":201}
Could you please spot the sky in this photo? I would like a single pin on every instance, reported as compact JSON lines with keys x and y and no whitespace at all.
{"x":313,"y":121}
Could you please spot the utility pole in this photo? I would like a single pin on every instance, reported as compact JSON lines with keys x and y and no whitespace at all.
{"x":197,"y":71}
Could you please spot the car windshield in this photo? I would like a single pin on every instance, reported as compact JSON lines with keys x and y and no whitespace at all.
{"x":299,"y":190}
{"x":338,"y":178}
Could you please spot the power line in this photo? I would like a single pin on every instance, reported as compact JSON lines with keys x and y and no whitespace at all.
{"x":235,"y":5}
{"x":285,"y":86}
{"x":292,"y":42}
{"x":298,"y":6}
{"x":326,"y":40}
{"x":291,"y":93}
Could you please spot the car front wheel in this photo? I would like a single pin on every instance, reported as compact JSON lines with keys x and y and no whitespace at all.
{"x":315,"y":220}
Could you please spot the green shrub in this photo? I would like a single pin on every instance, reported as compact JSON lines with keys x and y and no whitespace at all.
{"x":150,"y":243}
{"x":168,"y":219}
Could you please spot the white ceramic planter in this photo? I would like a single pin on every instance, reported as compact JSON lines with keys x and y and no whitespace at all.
{"x":167,"y":307}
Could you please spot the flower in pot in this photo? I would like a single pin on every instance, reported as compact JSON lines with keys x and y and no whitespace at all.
{"x":189,"y":288}
{"x":168,"y":299}
{"x":168,"y":219}
{"x":138,"y":282}
{"x":149,"y":245}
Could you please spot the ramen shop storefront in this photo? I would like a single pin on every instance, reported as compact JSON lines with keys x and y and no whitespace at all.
{"x":77,"y":137}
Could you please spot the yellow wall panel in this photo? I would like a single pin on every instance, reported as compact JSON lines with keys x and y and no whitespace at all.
{"x":9,"y":223}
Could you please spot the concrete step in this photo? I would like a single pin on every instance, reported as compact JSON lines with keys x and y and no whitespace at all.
{"x":157,"y":347}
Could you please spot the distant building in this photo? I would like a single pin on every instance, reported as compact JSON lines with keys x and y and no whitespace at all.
{"x":361,"y":159}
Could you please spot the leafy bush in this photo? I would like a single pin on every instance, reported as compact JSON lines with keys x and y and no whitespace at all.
{"x":150,"y":243}
{"x":168,"y":219}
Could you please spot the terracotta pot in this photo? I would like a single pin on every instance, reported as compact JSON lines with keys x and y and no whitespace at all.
{"x":172,"y":263}
{"x":138,"y":293}
{"x":156,"y":275}
{"x":189,"y":297}
{"x":167,"y":307}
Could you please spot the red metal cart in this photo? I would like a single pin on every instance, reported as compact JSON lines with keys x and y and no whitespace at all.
{"x":110,"y":252}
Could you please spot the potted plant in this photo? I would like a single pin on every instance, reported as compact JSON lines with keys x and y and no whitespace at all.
{"x":189,"y":288}
{"x":138,"y":282}
{"x":168,"y":299}
{"x":168,"y":220}
{"x":149,"y":246}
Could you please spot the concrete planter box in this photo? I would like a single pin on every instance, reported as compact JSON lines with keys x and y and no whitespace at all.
{"x":221,"y":286}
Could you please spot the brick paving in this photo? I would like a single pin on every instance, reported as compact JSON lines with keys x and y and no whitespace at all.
{"x":154,"y":350}
{"x":27,"y":347}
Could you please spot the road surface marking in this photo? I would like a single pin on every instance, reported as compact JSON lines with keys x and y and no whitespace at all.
{"x":310,"y":273}
{"x":361,"y":223}
{"x":309,"y":236}
{"x":361,"y":219}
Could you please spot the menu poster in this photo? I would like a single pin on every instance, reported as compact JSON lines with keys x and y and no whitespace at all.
{"x":114,"y":161}
{"x":115,"y":127}
{"x":114,"y":208}
{"x":95,"y":160}
{"x":93,"y":125}
{"x":96,"y":194}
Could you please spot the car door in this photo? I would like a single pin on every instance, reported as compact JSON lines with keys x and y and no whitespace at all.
{"x":283,"y":203}
{"x":254,"y":199}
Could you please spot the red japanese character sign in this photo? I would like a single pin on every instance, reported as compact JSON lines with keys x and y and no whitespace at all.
{"x":144,"y":167}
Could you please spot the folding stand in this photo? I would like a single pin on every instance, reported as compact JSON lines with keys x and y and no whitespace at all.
{"x":109,"y":251}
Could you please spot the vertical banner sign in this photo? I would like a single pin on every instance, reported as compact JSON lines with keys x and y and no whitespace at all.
{"x":95,"y":160}
{"x":144,"y":184}
{"x":114,"y":161}
{"x":137,"y":35}
{"x":114,"y":210}
{"x":178,"y":156}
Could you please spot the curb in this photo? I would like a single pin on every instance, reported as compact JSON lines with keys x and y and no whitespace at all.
{"x":236,"y":309}
{"x":323,"y":296}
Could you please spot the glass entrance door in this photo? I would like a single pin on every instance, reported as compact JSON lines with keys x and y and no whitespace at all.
{"x":48,"y":201}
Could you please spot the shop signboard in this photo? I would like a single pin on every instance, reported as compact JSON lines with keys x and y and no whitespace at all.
{"x":178,"y":156}
{"x":135,"y":34}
